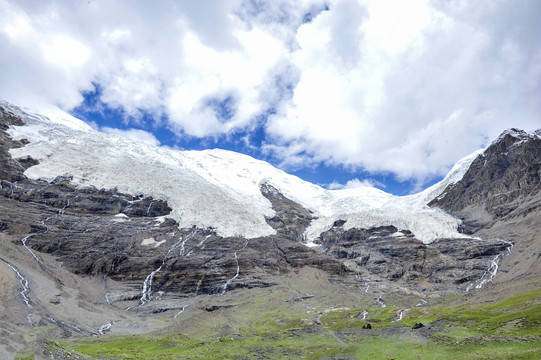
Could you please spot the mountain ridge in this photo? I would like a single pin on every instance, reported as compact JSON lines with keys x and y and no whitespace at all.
{"x":500,"y":197}
{"x":227,"y":183}
{"x":80,"y":259}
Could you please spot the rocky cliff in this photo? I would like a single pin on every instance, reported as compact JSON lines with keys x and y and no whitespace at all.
{"x":499,"y":182}
{"x":500,"y":197}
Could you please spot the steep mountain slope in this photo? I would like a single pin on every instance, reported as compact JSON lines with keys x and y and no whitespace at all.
{"x":500,"y":197}
{"x":220,"y":200}
{"x":214,"y":188}
{"x":504,"y":181}
{"x":100,"y":233}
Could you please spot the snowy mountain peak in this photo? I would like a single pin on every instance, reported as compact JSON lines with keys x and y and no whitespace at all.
{"x":49,"y":113}
{"x":518,"y":134}
{"x":216,"y":189}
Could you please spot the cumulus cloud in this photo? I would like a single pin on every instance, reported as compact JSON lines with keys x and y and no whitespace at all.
{"x":40,"y":63}
{"x":134,"y":134}
{"x":355,"y":183}
{"x":384,"y":86}
{"x":418,"y":83}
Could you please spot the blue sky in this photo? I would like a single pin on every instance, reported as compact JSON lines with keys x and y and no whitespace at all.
{"x":100,"y":116}
{"x":339,"y":92}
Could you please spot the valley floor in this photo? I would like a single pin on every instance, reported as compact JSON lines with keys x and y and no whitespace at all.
{"x":306,"y":317}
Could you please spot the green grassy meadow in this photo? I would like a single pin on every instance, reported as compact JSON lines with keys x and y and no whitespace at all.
{"x":509,"y":329}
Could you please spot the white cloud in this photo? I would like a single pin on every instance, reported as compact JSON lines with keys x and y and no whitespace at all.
{"x":134,"y":134}
{"x":406,"y":87}
{"x":355,"y":183}
{"x":417,"y":86}
{"x":40,"y":63}
{"x":64,"y":51}
{"x":212,"y":76}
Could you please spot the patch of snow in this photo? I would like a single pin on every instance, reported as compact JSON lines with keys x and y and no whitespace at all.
{"x":218,"y":188}
{"x":159,"y":220}
{"x":152,"y":241}
{"x":149,"y":241}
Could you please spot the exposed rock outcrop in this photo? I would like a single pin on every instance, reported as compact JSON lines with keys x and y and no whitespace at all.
{"x":498,"y":182}
{"x":499,"y":197}
{"x":291,"y":219}
{"x":11,"y":170}
{"x":96,"y":232}
{"x":395,"y":255}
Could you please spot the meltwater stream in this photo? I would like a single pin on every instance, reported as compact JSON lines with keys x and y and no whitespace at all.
{"x":47,"y":229}
{"x":30,"y":250}
{"x":381,"y":302}
{"x":24,"y":283}
{"x":106,"y":327}
{"x":182,"y":310}
{"x":146,"y":293}
{"x":25,"y":289}
{"x":198,"y":245}
{"x":401,"y":315}
{"x":489,"y":274}
{"x":364,"y":314}
{"x":228,"y":282}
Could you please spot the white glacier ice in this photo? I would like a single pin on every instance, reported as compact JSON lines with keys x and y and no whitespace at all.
{"x":217,"y":188}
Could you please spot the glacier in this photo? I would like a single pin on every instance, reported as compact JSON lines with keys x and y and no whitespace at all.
{"x":216,"y":188}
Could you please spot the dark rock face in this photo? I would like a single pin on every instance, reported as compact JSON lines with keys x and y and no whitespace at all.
{"x":291,"y":219}
{"x":85,"y":232}
{"x":396,"y":255}
{"x":500,"y":197}
{"x":505,"y":175}
{"x":11,"y":169}
{"x":60,"y":194}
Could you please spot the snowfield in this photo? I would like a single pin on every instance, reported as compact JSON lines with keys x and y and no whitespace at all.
{"x":217,"y":188}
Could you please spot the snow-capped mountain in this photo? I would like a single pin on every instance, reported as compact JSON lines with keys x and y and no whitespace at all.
{"x":216,"y":188}
{"x":95,"y":228}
